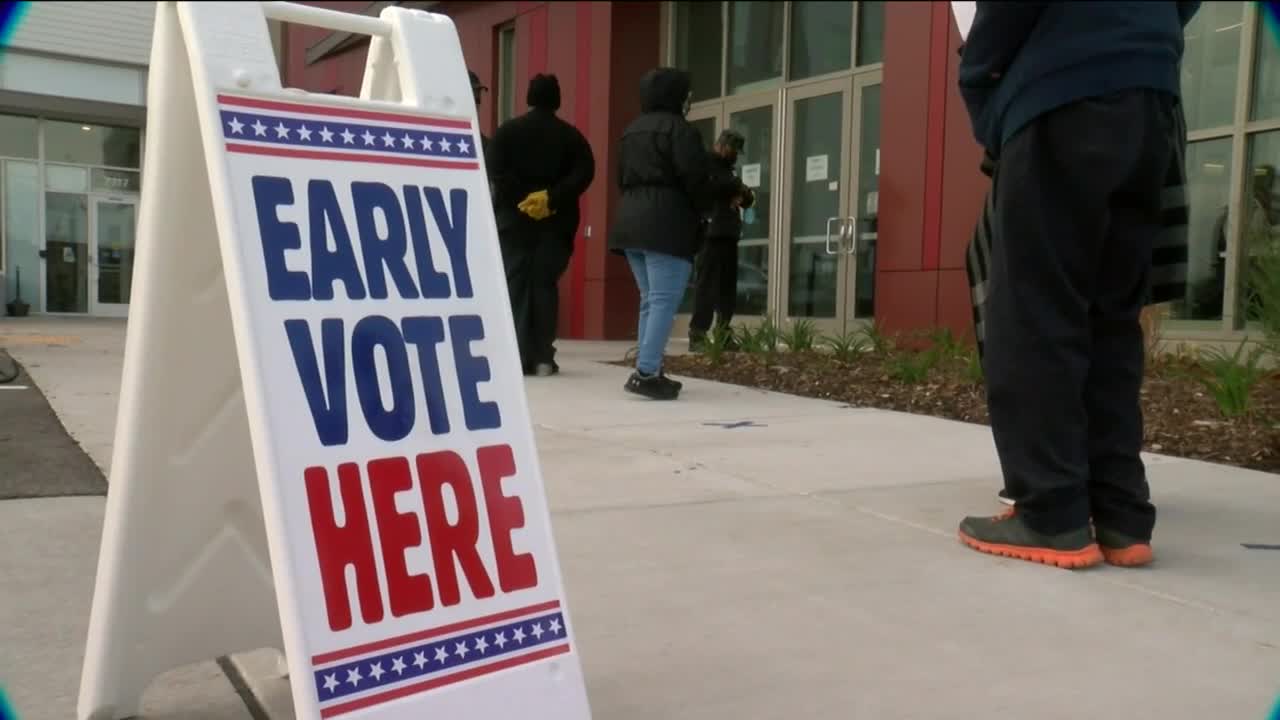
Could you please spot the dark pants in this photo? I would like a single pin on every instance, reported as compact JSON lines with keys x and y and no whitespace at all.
{"x":534,"y":261}
{"x":1077,"y":207}
{"x":716,"y":286}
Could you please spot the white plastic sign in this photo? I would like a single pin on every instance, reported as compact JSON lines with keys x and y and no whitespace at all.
{"x":409,"y":536}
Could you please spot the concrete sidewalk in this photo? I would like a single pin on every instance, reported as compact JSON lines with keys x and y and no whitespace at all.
{"x":739,"y":554}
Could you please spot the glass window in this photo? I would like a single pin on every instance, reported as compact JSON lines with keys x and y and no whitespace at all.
{"x":1209,"y":64}
{"x":868,"y":207}
{"x":1260,"y":221}
{"x":870,"y":33}
{"x":66,"y":179}
{"x":755,"y":45}
{"x":815,"y":201}
{"x":22,"y":230}
{"x":821,"y":38}
{"x":1208,"y":182}
{"x":18,"y":137}
{"x":1266,"y":74}
{"x":115,"y":181}
{"x":92,"y":144}
{"x":698,"y":36}
{"x":756,"y":125}
{"x":506,"y":74}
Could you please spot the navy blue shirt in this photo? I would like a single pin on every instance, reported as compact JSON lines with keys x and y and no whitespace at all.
{"x":1023,"y":59}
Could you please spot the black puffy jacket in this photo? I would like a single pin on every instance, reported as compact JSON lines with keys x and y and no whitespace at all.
{"x":663,"y":173}
{"x":724,"y":222}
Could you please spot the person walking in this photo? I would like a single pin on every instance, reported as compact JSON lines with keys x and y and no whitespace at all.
{"x":716,"y":286}
{"x":1078,"y":104}
{"x":540,"y":166}
{"x":664,"y":178}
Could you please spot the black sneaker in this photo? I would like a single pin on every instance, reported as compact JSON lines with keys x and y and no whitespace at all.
{"x":1003,"y":496}
{"x":654,"y":387}
{"x":678,"y":385}
{"x":1009,"y":536}
{"x":1123,"y":551}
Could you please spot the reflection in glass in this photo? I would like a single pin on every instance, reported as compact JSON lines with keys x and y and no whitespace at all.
{"x":92,"y":144}
{"x":18,"y":137}
{"x":698,"y":40}
{"x":1260,"y":224}
{"x":867,"y":209}
{"x":22,"y":229}
{"x":815,"y":198}
{"x":1208,"y":181}
{"x":115,"y":236}
{"x":870,"y":33}
{"x":756,"y":126}
{"x":1209,"y":63}
{"x":66,"y":218}
{"x":1266,"y":74}
{"x":755,"y":45}
{"x":821,"y":38}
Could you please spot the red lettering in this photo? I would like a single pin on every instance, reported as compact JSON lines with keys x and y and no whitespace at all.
{"x":407,"y":593}
{"x":515,"y":572}
{"x":435,"y":470}
{"x":337,"y":547}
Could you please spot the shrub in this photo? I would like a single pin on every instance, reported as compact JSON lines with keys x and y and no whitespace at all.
{"x":881,"y":344}
{"x":1229,"y":380}
{"x":912,"y":368}
{"x":847,"y":346}
{"x":973,"y":368}
{"x":944,"y":342}
{"x":802,"y":336}
{"x":761,"y":340}
{"x":1262,"y":299}
{"x":718,"y":342}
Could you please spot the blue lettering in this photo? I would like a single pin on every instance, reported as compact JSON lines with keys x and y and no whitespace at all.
{"x":340,"y":264}
{"x":426,"y":333}
{"x":472,"y":370}
{"x":270,"y":193}
{"x":434,"y":283}
{"x":327,"y":399}
{"x":382,"y":253}
{"x":453,"y":230}
{"x":372,"y":332}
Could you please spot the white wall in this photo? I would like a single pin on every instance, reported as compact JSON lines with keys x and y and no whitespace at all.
{"x":117,"y":32}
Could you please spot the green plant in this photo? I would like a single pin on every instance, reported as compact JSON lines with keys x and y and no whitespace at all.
{"x":717,"y":343}
{"x":1229,"y":380}
{"x":847,"y":346}
{"x":911,"y":367}
{"x":802,"y":336}
{"x":881,"y":343}
{"x":973,"y":368}
{"x":1262,"y":297}
{"x":761,"y":340}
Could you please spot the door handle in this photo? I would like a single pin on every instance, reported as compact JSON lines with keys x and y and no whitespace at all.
{"x":840,"y":238}
{"x":850,"y":232}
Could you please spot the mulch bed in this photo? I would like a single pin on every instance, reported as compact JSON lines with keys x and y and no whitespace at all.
{"x":1182,"y":417}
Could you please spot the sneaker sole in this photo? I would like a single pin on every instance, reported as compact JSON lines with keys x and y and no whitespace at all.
{"x":1066,"y":559}
{"x":1132,"y":556}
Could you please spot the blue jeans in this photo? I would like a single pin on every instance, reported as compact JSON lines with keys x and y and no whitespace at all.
{"x":662,"y":280}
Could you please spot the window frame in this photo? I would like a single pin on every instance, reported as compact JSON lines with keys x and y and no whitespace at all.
{"x":504,"y":99}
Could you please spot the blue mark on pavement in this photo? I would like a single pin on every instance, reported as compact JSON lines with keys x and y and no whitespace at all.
{"x":735,"y":425}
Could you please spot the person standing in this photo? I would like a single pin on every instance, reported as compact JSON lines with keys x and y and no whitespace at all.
{"x":716,"y":287}
{"x":1078,"y":104}
{"x":539,"y":166}
{"x":664,"y":178}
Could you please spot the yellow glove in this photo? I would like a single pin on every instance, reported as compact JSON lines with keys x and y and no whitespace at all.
{"x":535,"y":205}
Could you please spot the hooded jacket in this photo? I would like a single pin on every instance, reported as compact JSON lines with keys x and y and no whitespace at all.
{"x":663,"y":173}
{"x":539,"y":151}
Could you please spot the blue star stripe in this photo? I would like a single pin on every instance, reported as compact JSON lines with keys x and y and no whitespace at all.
{"x":339,"y":134}
{"x":439,"y":656}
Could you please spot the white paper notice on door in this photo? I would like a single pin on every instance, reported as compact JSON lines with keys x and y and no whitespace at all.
{"x":751,"y":175}
{"x":964,"y":12}
{"x":815,"y":168}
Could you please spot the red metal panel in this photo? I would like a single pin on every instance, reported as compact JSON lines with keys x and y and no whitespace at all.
{"x":581,"y":118}
{"x":904,"y":134}
{"x":940,"y":25}
{"x":906,"y":301}
{"x":964,"y":186}
{"x":954,"y":309}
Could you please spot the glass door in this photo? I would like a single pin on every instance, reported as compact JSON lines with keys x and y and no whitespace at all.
{"x":756,"y":122}
{"x":860,"y":243}
{"x":818,"y":199}
{"x":114,"y":223}
{"x":66,"y":253}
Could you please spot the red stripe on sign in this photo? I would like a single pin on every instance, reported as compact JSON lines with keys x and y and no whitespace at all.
{"x":342,"y":112}
{"x":349,"y":157}
{"x":406,"y":691}
{"x":419,"y":636}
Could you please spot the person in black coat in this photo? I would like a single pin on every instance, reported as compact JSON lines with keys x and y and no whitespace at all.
{"x":539,"y":166}
{"x":664,"y":178}
{"x":716,"y":287}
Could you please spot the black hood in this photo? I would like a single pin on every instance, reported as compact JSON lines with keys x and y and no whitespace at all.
{"x":544,"y":93}
{"x":664,"y":89}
